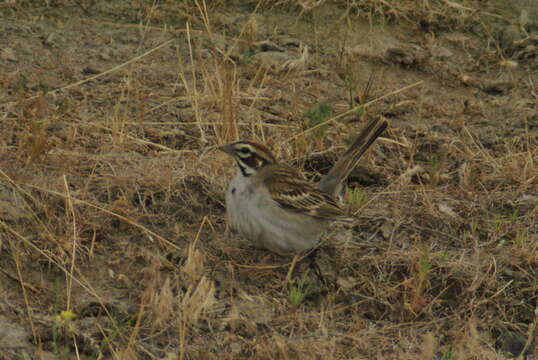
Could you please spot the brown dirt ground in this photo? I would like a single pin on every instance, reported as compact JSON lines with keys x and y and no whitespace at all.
{"x":112,"y":194}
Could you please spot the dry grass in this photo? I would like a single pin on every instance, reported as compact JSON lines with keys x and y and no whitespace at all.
{"x":113,"y":241}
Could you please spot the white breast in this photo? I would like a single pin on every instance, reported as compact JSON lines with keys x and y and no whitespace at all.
{"x":243,"y":207}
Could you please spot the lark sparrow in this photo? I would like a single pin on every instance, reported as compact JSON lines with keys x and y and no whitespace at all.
{"x":275,"y":207}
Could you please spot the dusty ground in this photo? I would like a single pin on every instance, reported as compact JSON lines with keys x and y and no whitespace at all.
{"x":112,"y":239}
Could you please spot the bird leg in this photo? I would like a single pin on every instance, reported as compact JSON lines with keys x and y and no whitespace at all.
{"x":315,"y":267}
{"x":312,"y":264}
{"x":294,"y":261}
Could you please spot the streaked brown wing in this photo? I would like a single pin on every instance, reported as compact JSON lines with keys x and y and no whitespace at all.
{"x":293,"y":193}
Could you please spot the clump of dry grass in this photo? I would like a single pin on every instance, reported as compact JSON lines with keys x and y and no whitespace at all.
{"x":111,"y":193}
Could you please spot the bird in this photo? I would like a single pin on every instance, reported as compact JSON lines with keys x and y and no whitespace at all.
{"x":275,"y":207}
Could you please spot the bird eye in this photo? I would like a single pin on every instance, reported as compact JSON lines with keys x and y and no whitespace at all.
{"x":245,"y":150}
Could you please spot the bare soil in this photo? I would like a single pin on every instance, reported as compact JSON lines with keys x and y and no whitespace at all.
{"x":113,"y":239}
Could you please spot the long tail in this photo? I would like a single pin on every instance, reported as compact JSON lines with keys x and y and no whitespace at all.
{"x":333,"y":181}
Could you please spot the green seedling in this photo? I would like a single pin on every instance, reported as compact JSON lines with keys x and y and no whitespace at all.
{"x":319,"y":115}
{"x":298,"y":292}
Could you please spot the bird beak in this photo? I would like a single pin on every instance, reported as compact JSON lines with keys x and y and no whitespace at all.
{"x":226,"y":148}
